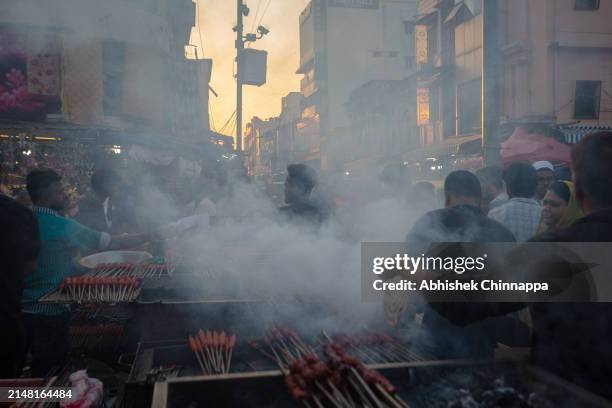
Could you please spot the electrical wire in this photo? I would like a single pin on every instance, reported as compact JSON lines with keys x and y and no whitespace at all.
{"x":221,"y":129}
{"x":232,"y":127}
{"x":264,"y":13}
{"x":227,"y":122}
{"x":211,"y":117}
{"x":224,"y":126}
{"x":256,"y":14}
{"x":201,"y":47}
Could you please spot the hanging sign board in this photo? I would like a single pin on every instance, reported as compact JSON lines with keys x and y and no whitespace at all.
{"x":254,"y":66}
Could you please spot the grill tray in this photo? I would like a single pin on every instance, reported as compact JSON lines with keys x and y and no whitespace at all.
{"x":149,"y":357}
{"x":418,"y":383}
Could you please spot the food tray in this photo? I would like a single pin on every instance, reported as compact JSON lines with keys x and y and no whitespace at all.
{"x":420,"y":384}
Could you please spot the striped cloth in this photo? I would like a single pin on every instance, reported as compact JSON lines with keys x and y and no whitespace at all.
{"x":61,"y":239}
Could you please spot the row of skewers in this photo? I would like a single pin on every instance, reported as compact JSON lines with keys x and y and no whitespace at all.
{"x":282,"y":345}
{"x":86,"y":289}
{"x":96,"y":337}
{"x":341,"y":381}
{"x":144,"y":270}
{"x":213,"y":351}
{"x":376,"y":348}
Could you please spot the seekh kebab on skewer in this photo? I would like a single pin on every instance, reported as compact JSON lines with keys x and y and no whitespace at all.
{"x":342,"y":381}
{"x":88,"y":289}
{"x":213,"y":350}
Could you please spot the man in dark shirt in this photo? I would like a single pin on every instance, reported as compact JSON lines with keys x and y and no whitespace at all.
{"x":106,"y":209}
{"x":301,"y":180}
{"x":570,"y":339}
{"x":19,"y":249}
{"x":96,"y":210}
{"x":461,"y":221}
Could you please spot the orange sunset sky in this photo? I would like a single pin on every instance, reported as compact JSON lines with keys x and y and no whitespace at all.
{"x":216,"y":19}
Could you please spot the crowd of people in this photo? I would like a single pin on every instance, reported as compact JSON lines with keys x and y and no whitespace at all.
{"x":523,"y":202}
{"x":43,"y":237}
{"x":569,"y":339}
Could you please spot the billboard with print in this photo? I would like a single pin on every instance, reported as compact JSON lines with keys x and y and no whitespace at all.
{"x":30,"y":80}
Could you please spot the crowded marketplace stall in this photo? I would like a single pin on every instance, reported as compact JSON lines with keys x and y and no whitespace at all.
{"x":367,"y":203}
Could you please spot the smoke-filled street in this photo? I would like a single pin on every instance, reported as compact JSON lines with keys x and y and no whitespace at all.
{"x":315,"y":203}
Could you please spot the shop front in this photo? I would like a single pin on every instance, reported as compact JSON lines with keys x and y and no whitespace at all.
{"x":434,"y":162}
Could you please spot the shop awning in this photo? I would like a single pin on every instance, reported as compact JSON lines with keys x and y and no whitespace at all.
{"x":531,"y":147}
{"x":449,"y":147}
{"x":58,"y":129}
{"x":573,"y":133}
{"x":207,"y":148}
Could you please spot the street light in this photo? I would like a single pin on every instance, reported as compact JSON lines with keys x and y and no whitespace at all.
{"x":263,"y":31}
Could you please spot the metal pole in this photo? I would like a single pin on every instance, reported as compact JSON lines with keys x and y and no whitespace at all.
{"x":239,"y":49}
{"x":490,"y":82}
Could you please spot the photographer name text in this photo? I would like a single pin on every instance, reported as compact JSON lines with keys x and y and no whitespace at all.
{"x":432,"y":285}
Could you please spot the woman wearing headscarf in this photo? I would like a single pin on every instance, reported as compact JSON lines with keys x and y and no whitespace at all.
{"x":560,"y":208}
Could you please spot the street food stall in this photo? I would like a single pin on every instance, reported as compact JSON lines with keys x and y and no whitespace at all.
{"x":185,"y":338}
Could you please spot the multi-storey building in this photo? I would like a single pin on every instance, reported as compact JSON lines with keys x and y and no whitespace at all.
{"x":189,"y":73}
{"x":557,"y":64}
{"x":260,"y":145}
{"x":290,"y":148}
{"x":343,"y":45}
{"x":383,"y":123}
{"x":104,"y":70}
{"x":448,"y":40}
{"x":547,"y":67}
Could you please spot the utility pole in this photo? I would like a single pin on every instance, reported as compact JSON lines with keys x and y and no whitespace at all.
{"x":241,"y":9}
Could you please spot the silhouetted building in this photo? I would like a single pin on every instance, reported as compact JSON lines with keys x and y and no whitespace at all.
{"x":343,"y":45}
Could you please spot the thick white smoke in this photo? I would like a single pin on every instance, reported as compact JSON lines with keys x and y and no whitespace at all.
{"x":251,"y":251}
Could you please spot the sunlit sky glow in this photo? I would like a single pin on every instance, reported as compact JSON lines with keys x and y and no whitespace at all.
{"x":217,"y":17}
